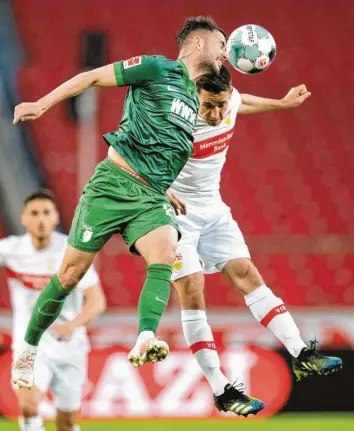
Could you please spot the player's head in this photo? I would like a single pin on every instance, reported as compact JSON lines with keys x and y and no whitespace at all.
{"x":202,"y":40}
{"x":214,"y":91}
{"x":40,"y":215}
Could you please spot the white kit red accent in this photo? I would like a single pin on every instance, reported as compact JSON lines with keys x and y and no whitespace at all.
{"x":28,"y":272}
{"x":201,"y":175}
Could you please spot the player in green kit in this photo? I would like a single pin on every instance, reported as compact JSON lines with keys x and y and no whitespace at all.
{"x":127,"y":193}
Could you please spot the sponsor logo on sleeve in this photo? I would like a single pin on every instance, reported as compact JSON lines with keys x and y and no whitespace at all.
{"x":134,"y":61}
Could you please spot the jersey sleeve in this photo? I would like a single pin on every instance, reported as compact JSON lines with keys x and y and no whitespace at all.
{"x":235,"y":100}
{"x":90,"y":279}
{"x":5,"y":244}
{"x":138,"y":70}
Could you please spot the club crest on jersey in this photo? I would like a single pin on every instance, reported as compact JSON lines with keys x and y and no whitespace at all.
{"x":87,"y":233}
{"x":177,"y":266}
{"x":134,"y":61}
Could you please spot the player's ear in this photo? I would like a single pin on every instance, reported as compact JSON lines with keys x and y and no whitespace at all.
{"x":199,"y":43}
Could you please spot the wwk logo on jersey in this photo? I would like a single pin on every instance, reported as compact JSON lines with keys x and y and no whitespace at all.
{"x":134,"y":61}
{"x":183,"y":110}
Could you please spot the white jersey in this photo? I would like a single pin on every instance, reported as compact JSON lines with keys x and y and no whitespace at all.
{"x":200,"y":177}
{"x":29,"y":271}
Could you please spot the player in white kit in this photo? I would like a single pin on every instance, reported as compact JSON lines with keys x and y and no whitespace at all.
{"x":212,"y":241}
{"x":61,"y":365}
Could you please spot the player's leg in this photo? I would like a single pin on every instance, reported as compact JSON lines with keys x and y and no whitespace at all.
{"x":229,"y":253}
{"x":271,"y":312}
{"x":28,"y":402}
{"x":68,"y":389}
{"x":158,"y":248}
{"x":66,"y":421}
{"x":188,"y":279}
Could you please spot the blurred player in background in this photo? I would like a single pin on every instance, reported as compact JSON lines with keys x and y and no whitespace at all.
{"x":31,"y":260}
{"x":127,"y":193}
{"x":212,"y":241}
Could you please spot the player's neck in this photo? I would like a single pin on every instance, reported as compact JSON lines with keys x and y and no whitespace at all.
{"x":40,"y":243}
{"x":194,"y":72}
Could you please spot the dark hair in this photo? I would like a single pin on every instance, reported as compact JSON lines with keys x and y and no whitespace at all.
{"x":40,"y":194}
{"x":215,"y":83}
{"x":196,"y":23}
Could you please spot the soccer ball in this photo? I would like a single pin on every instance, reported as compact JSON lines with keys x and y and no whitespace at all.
{"x":251,"y":49}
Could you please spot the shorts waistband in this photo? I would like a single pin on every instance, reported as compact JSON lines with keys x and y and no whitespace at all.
{"x":131,"y":172}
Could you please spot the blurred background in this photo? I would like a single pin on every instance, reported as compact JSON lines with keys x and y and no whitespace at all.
{"x":288,"y":179}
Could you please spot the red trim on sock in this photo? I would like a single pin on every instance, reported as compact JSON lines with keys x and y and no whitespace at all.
{"x":279,"y":309}
{"x":210,"y":345}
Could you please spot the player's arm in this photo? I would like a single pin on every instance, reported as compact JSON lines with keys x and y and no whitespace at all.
{"x":94,"y":305}
{"x":116,"y":74}
{"x":254,"y":105}
{"x":4,"y":250}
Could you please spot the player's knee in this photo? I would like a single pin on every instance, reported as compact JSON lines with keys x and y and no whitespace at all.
{"x":165,"y":254}
{"x":29,"y":410}
{"x":242,"y":268}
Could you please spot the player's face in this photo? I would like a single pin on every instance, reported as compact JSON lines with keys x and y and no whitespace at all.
{"x":213,"y":53}
{"x":40,"y":217}
{"x":214,"y":107}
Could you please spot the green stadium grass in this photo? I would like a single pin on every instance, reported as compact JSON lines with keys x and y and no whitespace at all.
{"x":285,"y":422}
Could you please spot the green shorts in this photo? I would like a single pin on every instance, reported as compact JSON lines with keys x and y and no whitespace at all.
{"x":114,"y":201}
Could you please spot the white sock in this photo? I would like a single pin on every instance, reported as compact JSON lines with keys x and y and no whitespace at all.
{"x":145,"y":335}
{"x":26,"y":346}
{"x":34,"y":423}
{"x":76,"y":427}
{"x":200,"y":340}
{"x":271,"y":312}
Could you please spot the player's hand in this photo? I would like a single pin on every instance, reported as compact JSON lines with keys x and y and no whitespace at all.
{"x":27,"y":111}
{"x":178,"y":204}
{"x":296,"y":96}
{"x":63,"y":330}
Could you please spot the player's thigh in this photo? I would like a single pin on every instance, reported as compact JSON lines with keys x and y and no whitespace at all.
{"x":243,"y":274}
{"x":154,"y":234}
{"x":65,"y":421}
{"x":68,"y":384}
{"x":109,"y":201}
{"x":221,"y":242}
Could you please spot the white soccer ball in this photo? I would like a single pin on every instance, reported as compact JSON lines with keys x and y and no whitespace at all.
{"x":251,"y":49}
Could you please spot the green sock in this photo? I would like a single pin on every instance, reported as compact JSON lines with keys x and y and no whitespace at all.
{"x":46,"y":309}
{"x":154,"y":296}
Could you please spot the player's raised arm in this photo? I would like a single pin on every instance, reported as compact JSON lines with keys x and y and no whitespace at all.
{"x":134,"y":71}
{"x":254,"y":105}
{"x":102,"y":77}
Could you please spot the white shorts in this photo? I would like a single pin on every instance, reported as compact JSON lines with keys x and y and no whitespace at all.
{"x":210,"y":239}
{"x":65,"y":379}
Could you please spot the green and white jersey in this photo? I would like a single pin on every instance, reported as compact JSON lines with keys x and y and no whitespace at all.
{"x":155,"y":135}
